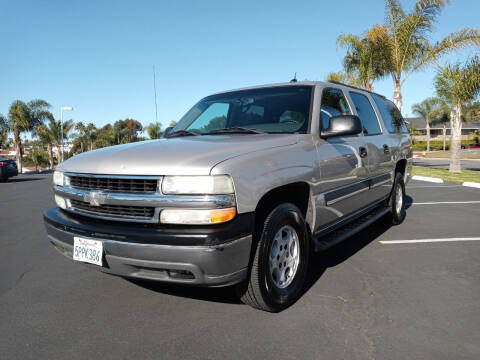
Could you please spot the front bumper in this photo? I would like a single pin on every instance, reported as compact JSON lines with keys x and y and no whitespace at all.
{"x":210,"y":256}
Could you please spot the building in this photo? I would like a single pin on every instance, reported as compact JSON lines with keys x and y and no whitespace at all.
{"x":437,"y":129}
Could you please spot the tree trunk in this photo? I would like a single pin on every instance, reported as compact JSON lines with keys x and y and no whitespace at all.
{"x":397,"y":94}
{"x":428,"y":134}
{"x":456,"y":138}
{"x":50,"y":155}
{"x":19,"y":153}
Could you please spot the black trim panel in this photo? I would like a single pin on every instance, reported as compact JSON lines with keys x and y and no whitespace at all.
{"x":380,"y":178}
{"x":332,"y":195}
{"x":207,"y":235}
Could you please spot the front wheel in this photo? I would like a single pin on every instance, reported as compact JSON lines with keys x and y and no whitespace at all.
{"x":397,"y":200}
{"x":280,"y":262}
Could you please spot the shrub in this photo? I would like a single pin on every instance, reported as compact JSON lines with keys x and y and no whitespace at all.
{"x":436,"y":145}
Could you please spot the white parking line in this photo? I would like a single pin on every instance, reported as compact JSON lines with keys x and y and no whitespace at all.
{"x":433,"y":186}
{"x":445,"y":202}
{"x":428,"y":240}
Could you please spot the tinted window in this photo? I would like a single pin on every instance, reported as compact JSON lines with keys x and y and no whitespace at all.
{"x":334,"y":103}
{"x":366,"y":114}
{"x":284,"y":109}
{"x":391,"y":115}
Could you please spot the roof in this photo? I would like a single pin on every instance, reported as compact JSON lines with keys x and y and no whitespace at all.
{"x":420,"y":123}
{"x":299,"y":83}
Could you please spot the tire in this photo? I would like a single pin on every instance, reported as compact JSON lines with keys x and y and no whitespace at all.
{"x":397,"y":202}
{"x":4,"y":179}
{"x":268,"y":287}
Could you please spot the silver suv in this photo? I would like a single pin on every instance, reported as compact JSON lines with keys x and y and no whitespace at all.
{"x":239,"y":192}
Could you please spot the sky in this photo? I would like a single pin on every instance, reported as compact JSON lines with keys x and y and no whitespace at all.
{"x":98,"y":56}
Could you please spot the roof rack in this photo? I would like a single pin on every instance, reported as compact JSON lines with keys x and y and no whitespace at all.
{"x":354,"y":87}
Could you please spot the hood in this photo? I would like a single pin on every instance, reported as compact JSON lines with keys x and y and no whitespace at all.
{"x":189,"y":155}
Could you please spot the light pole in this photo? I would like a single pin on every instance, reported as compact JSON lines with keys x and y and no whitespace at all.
{"x":62,"y":109}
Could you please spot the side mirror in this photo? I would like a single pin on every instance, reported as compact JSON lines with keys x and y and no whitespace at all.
{"x":342,"y":125}
{"x":167,"y":131}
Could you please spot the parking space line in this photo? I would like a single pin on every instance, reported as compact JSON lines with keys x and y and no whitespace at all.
{"x":433,"y":186}
{"x":444,"y":202}
{"x":428,"y":240}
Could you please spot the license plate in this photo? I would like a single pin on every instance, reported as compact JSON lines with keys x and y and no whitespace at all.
{"x":87,"y":250}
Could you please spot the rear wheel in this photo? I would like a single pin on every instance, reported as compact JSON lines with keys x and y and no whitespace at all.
{"x":397,"y":200}
{"x":280,"y":261}
{"x":3,"y":179}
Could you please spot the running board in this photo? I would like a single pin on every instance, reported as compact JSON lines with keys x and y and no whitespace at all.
{"x":333,"y":238}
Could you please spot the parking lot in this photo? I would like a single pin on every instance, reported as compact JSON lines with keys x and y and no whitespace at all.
{"x":368,"y":298}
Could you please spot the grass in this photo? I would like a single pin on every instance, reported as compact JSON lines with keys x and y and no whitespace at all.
{"x":445,"y":175}
{"x":446,"y":155}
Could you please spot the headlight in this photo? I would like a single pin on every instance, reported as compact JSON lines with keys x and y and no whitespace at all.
{"x":58,"y":178}
{"x":196,"y":217}
{"x":204,"y":185}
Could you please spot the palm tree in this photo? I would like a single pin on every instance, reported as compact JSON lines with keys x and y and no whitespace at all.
{"x":50,"y":135}
{"x":154,"y":130}
{"x":410,"y":48}
{"x":430,"y":109}
{"x":24,"y":117}
{"x":343,"y":77}
{"x":402,"y":46}
{"x":458,"y":85}
{"x":3,"y":130}
{"x":366,"y":59}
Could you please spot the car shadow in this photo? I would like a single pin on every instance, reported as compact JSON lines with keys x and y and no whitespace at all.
{"x":10,"y":180}
{"x":221,"y":295}
{"x":337,"y":254}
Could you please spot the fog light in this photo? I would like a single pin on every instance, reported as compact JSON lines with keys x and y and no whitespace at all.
{"x":60,"y":201}
{"x":180,"y":274}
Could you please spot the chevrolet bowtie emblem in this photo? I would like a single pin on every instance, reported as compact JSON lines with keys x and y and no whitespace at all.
{"x":95,"y":198}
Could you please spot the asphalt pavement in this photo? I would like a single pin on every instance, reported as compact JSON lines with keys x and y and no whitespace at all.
{"x":445,"y":163}
{"x":364,"y":299}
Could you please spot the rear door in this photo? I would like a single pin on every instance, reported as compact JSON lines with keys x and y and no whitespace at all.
{"x":379,"y":153}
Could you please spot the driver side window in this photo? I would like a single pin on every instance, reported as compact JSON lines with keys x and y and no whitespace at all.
{"x":334,"y":103}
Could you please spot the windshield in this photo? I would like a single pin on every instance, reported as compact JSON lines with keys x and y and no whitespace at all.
{"x":272,"y":110}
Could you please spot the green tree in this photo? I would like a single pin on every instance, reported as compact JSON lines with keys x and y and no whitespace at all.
{"x":84,"y":137}
{"x":126,"y":131}
{"x":343,"y":77}
{"x":154,"y":130}
{"x":430,"y":109}
{"x":402,"y":47}
{"x":24,"y":117}
{"x":50,"y":135}
{"x":409,"y":44}
{"x":38,"y":157}
{"x":3,"y":131}
{"x":367,"y":57}
{"x":458,"y":85}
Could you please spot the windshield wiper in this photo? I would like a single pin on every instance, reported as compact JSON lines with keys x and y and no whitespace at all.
{"x":236,"y":130}
{"x":182,"y":133}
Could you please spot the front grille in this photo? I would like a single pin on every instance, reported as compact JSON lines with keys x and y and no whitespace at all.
{"x":123,"y":185}
{"x":114,"y":210}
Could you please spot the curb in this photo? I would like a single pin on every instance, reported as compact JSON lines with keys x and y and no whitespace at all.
{"x":426,"y":178}
{"x":471,"y":184}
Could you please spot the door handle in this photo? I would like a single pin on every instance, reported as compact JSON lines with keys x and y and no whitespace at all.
{"x":362,"y":151}
{"x":386,"y":149}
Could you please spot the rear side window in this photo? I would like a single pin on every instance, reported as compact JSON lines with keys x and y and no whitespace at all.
{"x":334,"y":103}
{"x":366,"y":114}
{"x":391,"y":115}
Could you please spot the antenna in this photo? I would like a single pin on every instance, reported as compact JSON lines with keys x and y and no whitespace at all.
{"x":155,"y":91}
{"x":294,"y":80}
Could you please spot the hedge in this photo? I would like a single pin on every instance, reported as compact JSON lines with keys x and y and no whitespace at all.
{"x":437,"y":145}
